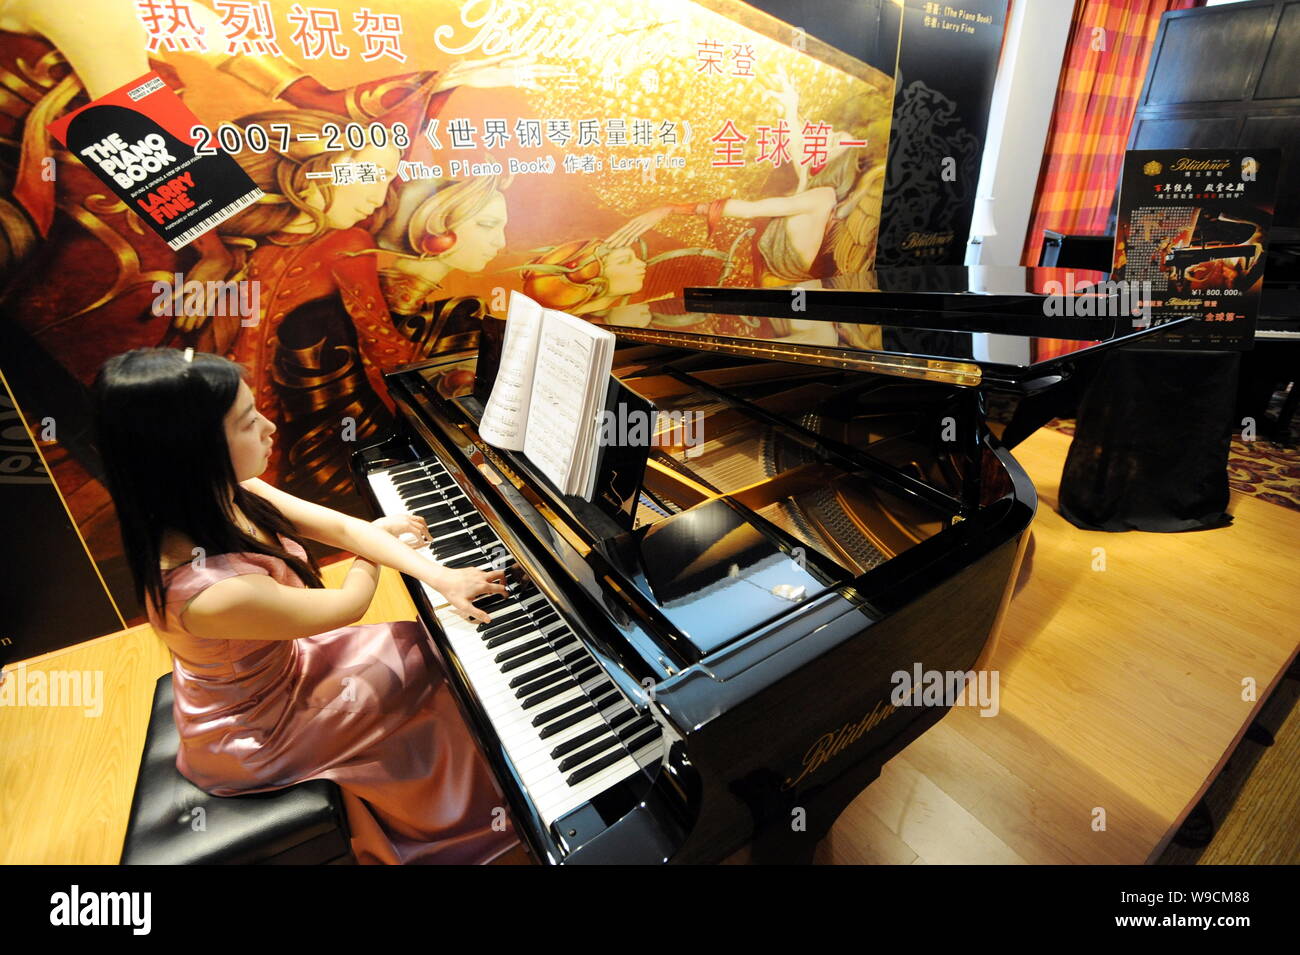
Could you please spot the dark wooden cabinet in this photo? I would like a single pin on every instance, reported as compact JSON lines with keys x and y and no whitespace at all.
{"x":1223,"y":76}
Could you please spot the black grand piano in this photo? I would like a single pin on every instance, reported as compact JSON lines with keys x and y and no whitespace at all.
{"x":720,"y":675}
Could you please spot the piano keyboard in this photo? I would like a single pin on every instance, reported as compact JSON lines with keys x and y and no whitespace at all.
{"x":567,"y":728}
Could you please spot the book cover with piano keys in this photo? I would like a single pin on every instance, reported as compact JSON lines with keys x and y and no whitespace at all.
{"x":1191,"y":234}
{"x":139,"y":140}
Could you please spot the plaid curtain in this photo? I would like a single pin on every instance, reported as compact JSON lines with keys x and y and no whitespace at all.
{"x":1105,"y":63}
{"x":1095,"y":101}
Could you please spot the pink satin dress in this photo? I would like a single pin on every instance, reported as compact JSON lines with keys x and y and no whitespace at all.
{"x":366,"y":706}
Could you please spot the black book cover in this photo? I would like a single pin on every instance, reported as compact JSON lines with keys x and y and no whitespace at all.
{"x":141,"y":141}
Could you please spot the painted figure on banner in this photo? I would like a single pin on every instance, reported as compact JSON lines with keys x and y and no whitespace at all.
{"x":97,"y":236}
{"x":827,"y":224}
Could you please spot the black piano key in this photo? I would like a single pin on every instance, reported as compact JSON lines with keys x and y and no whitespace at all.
{"x":522,"y":649}
{"x":600,"y":702}
{"x":591,"y":769}
{"x":416,"y":482}
{"x":508,"y":639}
{"x":559,"y":725}
{"x":446,"y":525}
{"x":452,"y":544}
{"x":550,"y":628}
{"x":524,"y":678}
{"x":526,"y":659}
{"x":542,"y":682}
{"x":509,"y":636}
{"x":566,"y":662}
{"x":434,"y":512}
{"x":443,"y":510}
{"x":534,"y":610}
{"x":645,"y":739}
{"x":465,"y":554}
{"x":550,"y":693}
{"x":569,"y":745}
{"x":514,"y":624}
{"x":555,"y":712}
{"x":620,"y":718}
{"x":508,"y":619}
{"x":470,"y":560}
{"x":542,"y":611}
{"x":632,"y":729}
{"x":586,"y":673}
{"x":511,"y":618}
{"x":440,"y":523}
{"x":399,"y":470}
{"x":589,"y":752}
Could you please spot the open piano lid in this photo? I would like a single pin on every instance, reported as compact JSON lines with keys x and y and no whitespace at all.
{"x":977,"y":326}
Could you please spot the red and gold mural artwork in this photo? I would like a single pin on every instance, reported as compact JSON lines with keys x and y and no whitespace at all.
{"x":418,"y":161}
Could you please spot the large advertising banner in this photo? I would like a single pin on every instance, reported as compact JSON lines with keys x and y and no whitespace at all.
{"x":411,"y":163}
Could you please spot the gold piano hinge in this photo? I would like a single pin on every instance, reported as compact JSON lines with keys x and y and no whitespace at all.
{"x":965,"y":374}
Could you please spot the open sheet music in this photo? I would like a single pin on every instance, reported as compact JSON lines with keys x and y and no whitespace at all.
{"x":550,"y":387}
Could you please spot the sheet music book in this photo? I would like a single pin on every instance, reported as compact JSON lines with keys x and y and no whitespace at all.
{"x":551,"y":384}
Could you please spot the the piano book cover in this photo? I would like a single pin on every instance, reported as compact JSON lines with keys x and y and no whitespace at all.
{"x":143,"y":142}
{"x":1194,"y":224}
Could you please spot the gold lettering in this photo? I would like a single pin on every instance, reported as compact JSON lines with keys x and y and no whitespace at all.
{"x":922,"y":240}
{"x":833,"y":742}
{"x":1187,"y":163}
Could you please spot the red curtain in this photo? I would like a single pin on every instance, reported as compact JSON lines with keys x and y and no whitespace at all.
{"x":1105,"y":64}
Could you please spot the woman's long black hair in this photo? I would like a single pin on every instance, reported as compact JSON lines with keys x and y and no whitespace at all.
{"x":159,"y":427}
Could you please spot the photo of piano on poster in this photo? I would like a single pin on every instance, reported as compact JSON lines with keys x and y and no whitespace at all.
{"x":1191,"y":233}
{"x":551,"y":383}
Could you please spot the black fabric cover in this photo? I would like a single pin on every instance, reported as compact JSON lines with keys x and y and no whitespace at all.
{"x":1151,"y":449}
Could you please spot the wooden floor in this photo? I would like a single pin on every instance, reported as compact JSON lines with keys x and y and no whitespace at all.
{"x":1121,"y":696}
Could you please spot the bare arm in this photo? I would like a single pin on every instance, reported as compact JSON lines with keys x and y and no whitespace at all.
{"x":347,"y":532}
{"x":364,"y":539}
{"x":256,"y":607}
{"x":775,"y":206}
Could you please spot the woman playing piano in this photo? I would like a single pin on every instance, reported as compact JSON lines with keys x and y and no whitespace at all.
{"x":274,"y":683}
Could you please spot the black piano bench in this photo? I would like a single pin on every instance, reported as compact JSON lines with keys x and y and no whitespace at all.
{"x":173,"y":822}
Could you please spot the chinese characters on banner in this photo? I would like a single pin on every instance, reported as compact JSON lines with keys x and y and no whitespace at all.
{"x":248,"y":28}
